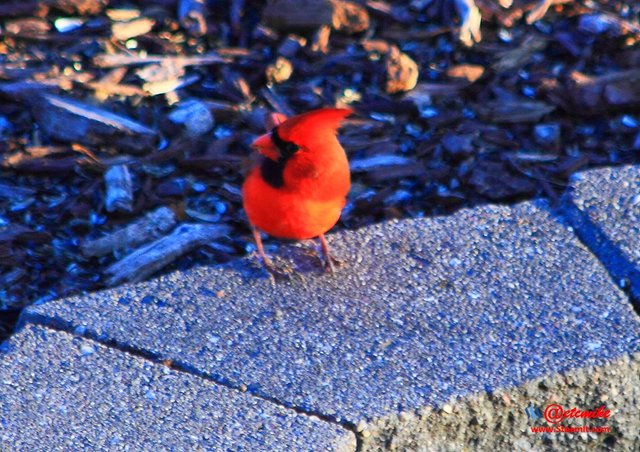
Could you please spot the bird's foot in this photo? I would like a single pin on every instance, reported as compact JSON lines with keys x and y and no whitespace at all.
{"x":280,"y":270}
{"x":330,"y":263}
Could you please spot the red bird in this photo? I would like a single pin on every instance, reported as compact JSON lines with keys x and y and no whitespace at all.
{"x":299,"y":188}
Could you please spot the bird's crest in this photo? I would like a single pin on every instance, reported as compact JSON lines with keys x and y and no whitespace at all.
{"x":318,"y":120}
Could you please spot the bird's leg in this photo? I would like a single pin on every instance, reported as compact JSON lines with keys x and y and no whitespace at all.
{"x":328,"y":260}
{"x":256,"y":238}
{"x":269,"y":266}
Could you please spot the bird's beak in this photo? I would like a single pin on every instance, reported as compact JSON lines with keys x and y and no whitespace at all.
{"x":263,"y":141}
{"x":265,"y":146}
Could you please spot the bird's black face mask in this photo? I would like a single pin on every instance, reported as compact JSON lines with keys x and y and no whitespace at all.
{"x":273,"y":171}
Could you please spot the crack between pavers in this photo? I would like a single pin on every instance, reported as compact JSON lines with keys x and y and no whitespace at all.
{"x":582,"y":225}
{"x":58,"y":324}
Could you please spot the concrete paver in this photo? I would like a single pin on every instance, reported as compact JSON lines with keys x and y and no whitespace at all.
{"x":427,"y":310}
{"x":60,"y":392}
{"x":604,"y":207}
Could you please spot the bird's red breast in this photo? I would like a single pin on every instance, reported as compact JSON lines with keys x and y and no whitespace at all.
{"x":299,"y":188}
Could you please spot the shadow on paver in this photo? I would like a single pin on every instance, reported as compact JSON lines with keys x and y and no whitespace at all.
{"x":624,"y":272}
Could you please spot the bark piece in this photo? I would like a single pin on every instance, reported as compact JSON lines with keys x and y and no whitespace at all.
{"x":470,"y":18}
{"x":13,"y":191}
{"x":24,"y":89}
{"x":513,"y":59}
{"x":147,"y":260}
{"x":30,"y":26}
{"x":584,"y":94}
{"x":194,"y":116}
{"x":110,"y":85}
{"x":402,"y":71}
{"x":109,"y":61}
{"x":44,"y":159}
{"x":547,"y":134}
{"x":125,"y":30}
{"x":514,"y":111}
{"x":168,"y":86}
{"x":290,"y":46}
{"x":280,"y":71}
{"x":82,"y":7}
{"x":123,"y":14}
{"x":17,"y":8}
{"x":74,"y":121}
{"x":147,"y":228}
{"x":22,"y":234}
{"x":277,"y":102}
{"x":320,"y":41}
{"x":378,"y":162}
{"x":192,"y":16}
{"x":104,"y":90}
{"x":344,"y":16}
{"x":468,"y":73}
{"x":458,"y":145}
{"x":119,"y":189}
{"x":493,"y":180}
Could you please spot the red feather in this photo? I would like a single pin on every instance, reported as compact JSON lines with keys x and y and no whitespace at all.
{"x":303,"y":127}
{"x":315,"y":180}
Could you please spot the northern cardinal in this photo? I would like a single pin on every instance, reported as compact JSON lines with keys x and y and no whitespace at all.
{"x":299,"y":188}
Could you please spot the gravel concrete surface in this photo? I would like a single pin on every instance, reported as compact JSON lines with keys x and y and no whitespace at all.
{"x":497,"y":421}
{"x":604,"y":207}
{"x":426,"y":311}
{"x":60,"y":392}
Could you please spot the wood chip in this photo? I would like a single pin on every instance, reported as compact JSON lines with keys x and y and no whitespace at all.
{"x":13,"y":191}
{"x":119,"y":189}
{"x":20,"y":233}
{"x":469,"y":31}
{"x":376,"y":162}
{"x":280,"y":71}
{"x":147,"y":260}
{"x":24,"y":162}
{"x":192,"y":16}
{"x":168,"y":86}
{"x":320,"y":41}
{"x":105,"y":90}
{"x":402,"y":71}
{"x":123,"y":14}
{"x":27,"y":27}
{"x":149,"y":227}
{"x":344,"y":16}
{"x":493,"y":180}
{"x":516,"y":58}
{"x":126,"y":30}
{"x":466,"y":72}
{"x":74,"y":121}
{"x":584,"y":94}
{"x":514,"y":111}
{"x":291,"y":45}
{"x":82,"y":7}
{"x":26,"y":88}
{"x":23,"y":8}
{"x":108,"y":60}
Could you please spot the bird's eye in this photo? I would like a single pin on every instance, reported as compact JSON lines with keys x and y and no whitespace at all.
{"x":286,"y":148}
{"x":291,"y":148}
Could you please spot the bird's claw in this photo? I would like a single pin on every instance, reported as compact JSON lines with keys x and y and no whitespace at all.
{"x":330,"y":263}
{"x":279,"y":271}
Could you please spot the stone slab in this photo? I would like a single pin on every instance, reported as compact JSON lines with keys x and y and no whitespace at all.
{"x":426,"y":311}
{"x":604,"y":207}
{"x":60,"y":392}
{"x":498,"y":420}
